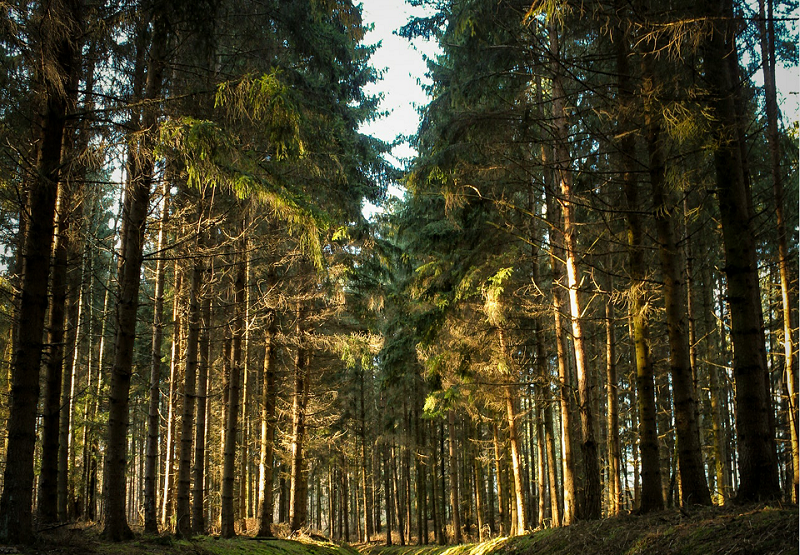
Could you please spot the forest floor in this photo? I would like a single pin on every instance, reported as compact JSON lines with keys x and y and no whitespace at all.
{"x":754,"y":530}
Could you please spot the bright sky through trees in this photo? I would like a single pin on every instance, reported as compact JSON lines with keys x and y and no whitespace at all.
{"x":402,"y":66}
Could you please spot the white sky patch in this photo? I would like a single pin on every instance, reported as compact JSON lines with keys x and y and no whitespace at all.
{"x":402,"y":67}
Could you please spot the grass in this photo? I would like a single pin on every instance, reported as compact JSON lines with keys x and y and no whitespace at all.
{"x":754,"y":530}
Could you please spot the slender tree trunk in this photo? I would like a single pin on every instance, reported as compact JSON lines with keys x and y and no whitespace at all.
{"x":766,"y":27}
{"x":518,"y":526}
{"x":387,"y":486}
{"x":47,"y":505}
{"x":651,"y":498}
{"x":592,"y":487}
{"x":565,"y":390}
{"x":363,"y":438}
{"x":198,"y":473}
{"x":692,"y":480}
{"x":758,"y":469}
{"x":151,"y":448}
{"x":183,"y":525}
{"x":454,"y":497}
{"x":501,"y":500}
{"x":268,"y":397}
{"x":297,"y":503}
{"x":244,"y":431}
{"x":612,"y":410}
{"x":227,"y":516}
{"x":479,"y":500}
{"x":178,"y":322}
{"x":718,"y":431}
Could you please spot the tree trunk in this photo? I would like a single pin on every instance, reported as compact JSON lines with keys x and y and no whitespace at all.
{"x":16,"y":499}
{"x":694,"y":489}
{"x":363,"y":439}
{"x":268,"y":397}
{"x":612,"y":409}
{"x":454,"y":497}
{"x":501,"y":500}
{"x":758,"y":467}
{"x":151,"y":448}
{"x":183,"y":525}
{"x":134,"y":216}
{"x":297,"y":497}
{"x":387,"y":486}
{"x":198,"y":473}
{"x":47,"y":502}
{"x":244,"y":427}
{"x":518,"y":526}
{"x":178,"y":322}
{"x":767,"y":40}
{"x":592,"y":487}
{"x":227,"y":516}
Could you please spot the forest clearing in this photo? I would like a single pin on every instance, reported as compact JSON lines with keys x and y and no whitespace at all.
{"x":576,"y":316}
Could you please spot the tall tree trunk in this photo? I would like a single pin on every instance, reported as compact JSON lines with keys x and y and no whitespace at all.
{"x":297,"y":497}
{"x":717,"y":427}
{"x":244,"y":427}
{"x":479,"y":492}
{"x":66,"y":452}
{"x":518,"y":526}
{"x":612,"y":410}
{"x":151,"y":448}
{"x":767,"y":42}
{"x":592,"y":488}
{"x":47,"y":502}
{"x":694,"y":489}
{"x":134,"y":215}
{"x":363,"y":439}
{"x":16,"y":499}
{"x":498,"y":461}
{"x":178,"y":322}
{"x":651,"y":498}
{"x":758,"y":469}
{"x":544,"y":404}
{"x":454,"y":497}
{"x":183,"y":526}
{"x":227,"y":515}
{"x":387,"y":486}
{"x":268,"y":397}
{"x":198,"y":473}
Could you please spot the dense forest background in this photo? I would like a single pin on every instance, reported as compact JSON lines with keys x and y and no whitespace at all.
{"x":585,"y":303}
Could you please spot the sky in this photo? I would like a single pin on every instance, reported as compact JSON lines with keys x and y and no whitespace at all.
{"x":402,"y":65}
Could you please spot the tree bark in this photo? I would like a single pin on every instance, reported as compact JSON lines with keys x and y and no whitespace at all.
{"x":227,"y":515}
{"x":509,"y":392}
{"x":767,"y":42}
{"x":297,"y":496}
{"x":47,"y":503}
{"x":16,"y":499}
{"x":178,"y":322}
{"x":151,"y":447}
{"x":198,"y":473}
{"x":183,"y":525}
{"x":758,"y":469}
{"x":268,"y":397}
{"x":454,"y":498}
{"x":592,"y":489}
{"x":612,"y":409}
{"x":134,"y":215}
{"x":693,"y":486}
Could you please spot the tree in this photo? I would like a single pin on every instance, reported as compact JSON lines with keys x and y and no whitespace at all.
{"x":57,"y":55}
{"x":758,"y":469}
